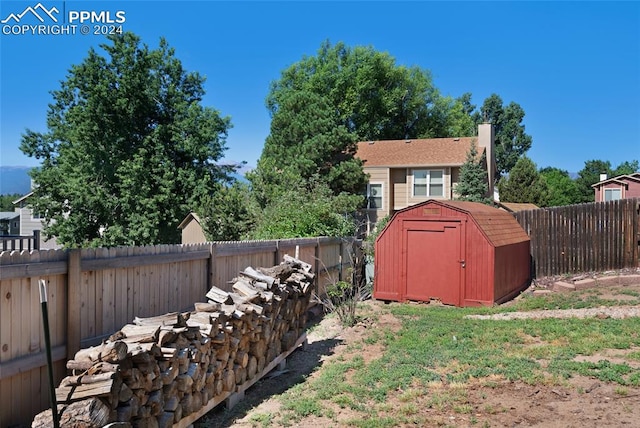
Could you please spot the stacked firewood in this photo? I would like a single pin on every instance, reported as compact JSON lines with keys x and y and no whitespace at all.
{"x":156,"y":371}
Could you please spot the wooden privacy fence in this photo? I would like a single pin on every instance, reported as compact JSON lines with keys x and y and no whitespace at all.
{"x":582,"y":238}
{"x":92,"y":293}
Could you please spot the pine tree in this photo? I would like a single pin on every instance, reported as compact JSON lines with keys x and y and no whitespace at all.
{"x":524,"y":184}
{"x":473,"y":178}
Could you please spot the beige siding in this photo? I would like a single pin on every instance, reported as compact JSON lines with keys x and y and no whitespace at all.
{"x":455,"y":179}
{"x":381,"y":175}
{"x":193,"y":233}
{"x":28,"y":224}
{"x":400,"y":188}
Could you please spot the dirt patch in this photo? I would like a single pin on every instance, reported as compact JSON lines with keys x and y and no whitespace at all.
{"x":576,"y":402}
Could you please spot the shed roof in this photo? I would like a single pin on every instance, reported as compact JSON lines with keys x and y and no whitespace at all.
{"x":190,"y":217}
{"x":417,"y":152}
{"x":499,"y":227}
{"x":518,"y":206}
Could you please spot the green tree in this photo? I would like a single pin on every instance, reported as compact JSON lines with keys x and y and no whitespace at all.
{"x":306,"y":140}
{"x":308,"y":209}
{"x":130,"y":149}
{"x":473,"y":184}
{"x":625,"y":168}
{"x":511,"y":140}
{"x":590,"y":174}
{"x":6,"y":201}
{"x":229,"y":213}
{"x":524,"y":184}
{"x":562,"y":190}
{"x":463,"y":119}
{"x":367,"y":92}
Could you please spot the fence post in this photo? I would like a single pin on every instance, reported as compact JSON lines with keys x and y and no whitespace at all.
{"x":36,"y":239}
{"x":212,"y":267}
{"x":340,"y":274}
{"x":276,"y":257}
{"x":74,"y":279}
{"x":316,"y":266}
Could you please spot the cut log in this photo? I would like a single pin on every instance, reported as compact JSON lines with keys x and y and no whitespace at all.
{"x":86,"y":379}
{"x":165,"y":419}
{"x":68,"y":394}
{"x":141,"y":333}
{"x":219,"y":296}
{"x":207,"y":307}
{"x":170,"y":319}
{"x":281,"y":272}
{"x":125,"y":393}
{"x":258,"y":276}
{"x":242,"y":358}
{"x":252,"y":367}
{"x":110,"y":352}
{"x":297,"y":263}
{"x":245,"y":289}
{"x":90,"y":413}
{"x":228,"y":380}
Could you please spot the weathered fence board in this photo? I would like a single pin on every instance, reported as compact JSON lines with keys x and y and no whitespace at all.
{"x":582,"y":238}
{"x":94,"y":292}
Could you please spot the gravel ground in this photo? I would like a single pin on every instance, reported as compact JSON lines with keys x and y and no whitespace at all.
{"x":604,"y":312}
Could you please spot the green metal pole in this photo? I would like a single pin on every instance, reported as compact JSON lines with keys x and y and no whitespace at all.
{"x":47,"y":344}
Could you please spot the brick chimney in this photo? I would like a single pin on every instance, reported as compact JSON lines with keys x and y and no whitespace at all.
{"x":486,"y":140}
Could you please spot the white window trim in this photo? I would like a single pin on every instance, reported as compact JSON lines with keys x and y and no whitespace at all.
{"x":34,"y":217}
{"x":604,"y":193}
{"x":382,"y":196}
{"x":428,"y":195}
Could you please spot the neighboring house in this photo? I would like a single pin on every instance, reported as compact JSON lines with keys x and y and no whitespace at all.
{"x":192,"y":230}
{"x":9,"y":223}
{"x":407,"y":172}
{"x":30,"y":221}
{"x":620,"y":187}
{"x":514,"y":207}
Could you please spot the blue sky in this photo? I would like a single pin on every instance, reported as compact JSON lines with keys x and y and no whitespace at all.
{"x":573,"y":66}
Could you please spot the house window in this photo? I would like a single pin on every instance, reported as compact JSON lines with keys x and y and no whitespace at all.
{"x":612,"y":194}
{"x":428,"y":182}
{"x":374,"y":196}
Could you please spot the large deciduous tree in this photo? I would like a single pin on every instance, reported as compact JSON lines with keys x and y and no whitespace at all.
{"x":512,"y":142}
{"x":320,"y":107}
{"x":130,"y":149}
{"x":562,"y":190}
{"x":524,"y":184}
{"x":306,"y":139}
{"x":369,"y":94}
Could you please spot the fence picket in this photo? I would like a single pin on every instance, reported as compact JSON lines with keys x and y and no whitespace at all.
{"x":91,"y":296}
{"x":585,"y":237}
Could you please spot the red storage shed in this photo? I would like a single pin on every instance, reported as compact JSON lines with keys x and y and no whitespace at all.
{"x":462,"y":253}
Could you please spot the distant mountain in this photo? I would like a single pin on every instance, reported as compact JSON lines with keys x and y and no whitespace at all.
{"x":239,"y":177}
{"x":15,"y":179}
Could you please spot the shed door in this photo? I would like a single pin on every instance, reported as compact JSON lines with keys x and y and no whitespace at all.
{"x":433,"y":261}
